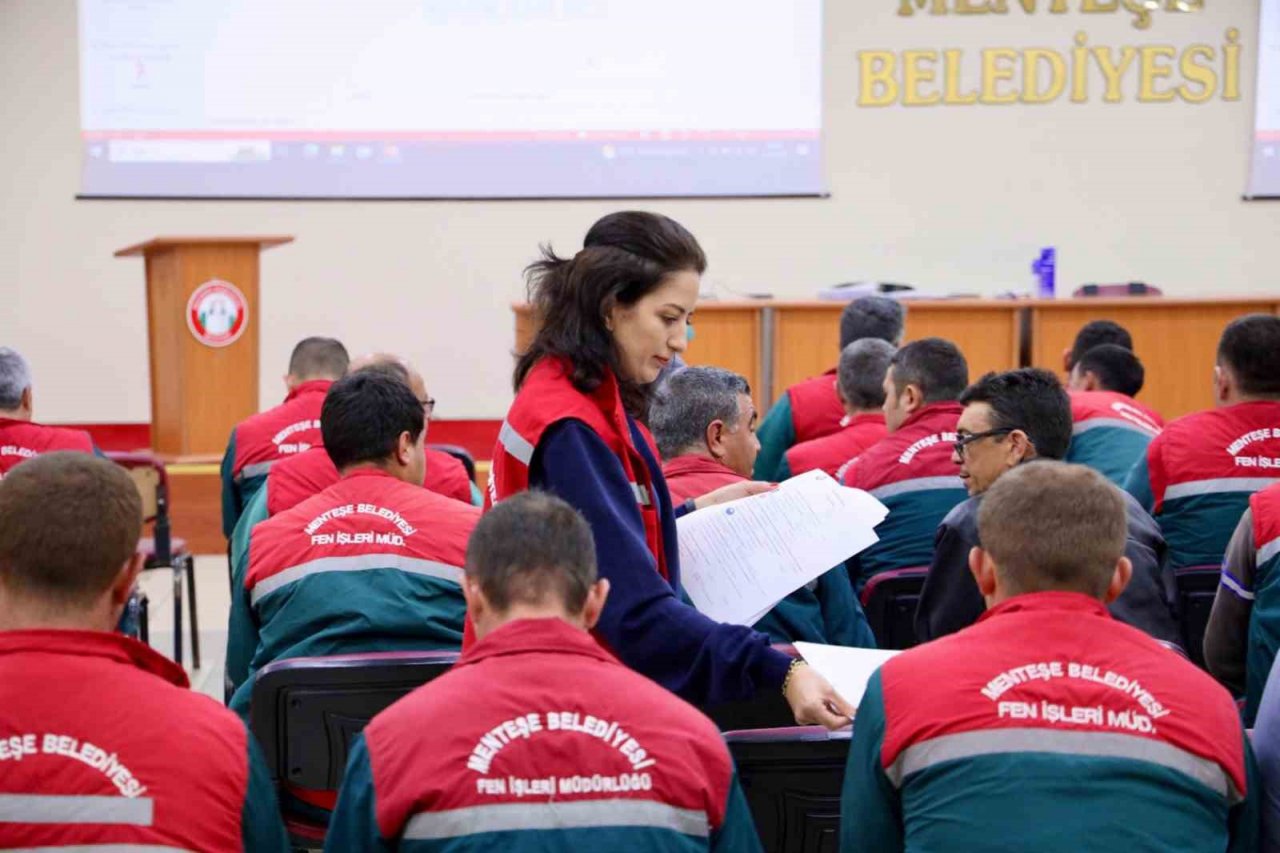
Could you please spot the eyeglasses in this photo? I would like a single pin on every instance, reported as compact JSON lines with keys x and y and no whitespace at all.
{"x":428,"y":406}
{"x":966,"y":440}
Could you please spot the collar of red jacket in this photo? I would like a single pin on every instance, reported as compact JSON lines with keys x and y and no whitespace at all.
{"x":4,"y":422}
{"x":1046,"y":602}
{"x":523,"y":636}
{"x":950,"y":407}
{"x":311,"y":386}
{"x":694,"y":464}
{"x":371,"y":471}
{"x":100,"y":644}
{"x":863,"y":418}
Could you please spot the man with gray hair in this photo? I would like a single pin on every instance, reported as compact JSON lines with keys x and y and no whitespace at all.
{"x":704,"y":422}
{"x":812,"y":408}
{"x":860,"y":384}
{"x":20,"y":437}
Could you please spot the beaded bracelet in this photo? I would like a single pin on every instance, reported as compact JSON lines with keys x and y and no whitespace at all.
{"x":791,"y":670}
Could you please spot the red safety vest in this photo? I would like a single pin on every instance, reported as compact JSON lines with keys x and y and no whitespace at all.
{"x":830,"y":452}
{"x":280,"y":432}
{"x":816,"y":409}
{"x":23,"y":440}
{"x":1114,"y":408}
{"x":299,"y":477}
{"x":547,"y":397}
{"x":693,"y":476}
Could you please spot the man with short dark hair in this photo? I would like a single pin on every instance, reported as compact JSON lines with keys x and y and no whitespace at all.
{"x":538,"y":737}
{"x":1048,"y":726}
{"x":910,"y":470}
{"x":372,"y":563}
{"x":103,"y":744}
{"x":21,"y":438}
{"x":1010,"y":419}
{"x":1110,"y":429}
{"x":860,"y":383}
{"x":703,"y":421}
{"x":292,"y":427}
{"x":1197,"y":475}
{"x":812,"y":408}
{"x":1095,"y":334}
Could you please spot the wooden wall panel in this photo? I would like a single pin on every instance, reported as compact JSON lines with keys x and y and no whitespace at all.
{"x":807,"y":336}
{"x":1177,"y":341}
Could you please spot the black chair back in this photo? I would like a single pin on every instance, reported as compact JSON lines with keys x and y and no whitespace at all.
{"x":1197,"y":586}
{"x":792,"y":780}
{"x":306,"y":711}
{"x":461,"y":454}
{"x":889,"y":599}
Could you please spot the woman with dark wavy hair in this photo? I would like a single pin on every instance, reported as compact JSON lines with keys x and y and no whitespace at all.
{"x":609,"y":320}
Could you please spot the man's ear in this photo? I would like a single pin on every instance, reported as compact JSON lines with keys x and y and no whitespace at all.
{"x":1091,"y":381}
{"x":912,"y":398}
{"x":1020,"y":447}
{"x":122,"y":586}
{"x":1066,"y":360}
{"x":594,"y":606}
{"x":404,"y":449}
{"x":715,"y":438}
{"x":983,"y":570}
{"x":1223,"y":385}
{"x":476,"y":603}
{"x":1119,"y":579}
{"x":25,"y":400}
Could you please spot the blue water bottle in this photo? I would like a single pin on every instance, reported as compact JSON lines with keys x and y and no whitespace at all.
{"x":1045,"y":269}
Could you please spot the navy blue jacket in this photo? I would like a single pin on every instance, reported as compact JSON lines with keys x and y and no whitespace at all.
{"x":644,"y":623}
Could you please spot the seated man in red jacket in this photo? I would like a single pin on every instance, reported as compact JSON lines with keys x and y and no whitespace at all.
{"x":1110,"y":429}
{"x":538,"y":738}
{"x":860,"y":382}
{"x":910,"y":470}
{"x":812,"y":409}
{"x":103,"y":745}
{"x":372,"y":563}
{"x":20,"y":437}
{"x":290,"y":428}
{"x":1048,"y":726}
{"x":1197,"y":475}
{"x":704,"y":423}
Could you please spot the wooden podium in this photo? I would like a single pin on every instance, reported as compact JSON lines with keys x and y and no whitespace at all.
{"x":202,"y":326}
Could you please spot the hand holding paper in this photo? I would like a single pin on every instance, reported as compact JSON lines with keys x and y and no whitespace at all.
{"x":741,"y":558}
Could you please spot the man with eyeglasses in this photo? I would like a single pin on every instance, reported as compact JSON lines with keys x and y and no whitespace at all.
{"x":1010,"y":419}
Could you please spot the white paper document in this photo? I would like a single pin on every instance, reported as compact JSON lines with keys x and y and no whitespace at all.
{"x":847,"y":669}
{"x":739,"y":559}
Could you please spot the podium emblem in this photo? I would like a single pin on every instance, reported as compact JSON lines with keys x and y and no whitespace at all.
{"x":217,"y":313}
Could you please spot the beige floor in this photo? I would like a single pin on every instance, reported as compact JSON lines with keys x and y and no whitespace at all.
{"x":213,"y":599}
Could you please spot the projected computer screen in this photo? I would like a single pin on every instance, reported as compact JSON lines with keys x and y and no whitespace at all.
{"x":451,"y":98}
{"x":1265,"y":175}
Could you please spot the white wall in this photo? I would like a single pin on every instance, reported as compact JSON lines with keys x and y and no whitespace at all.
{"x":949,"y":197}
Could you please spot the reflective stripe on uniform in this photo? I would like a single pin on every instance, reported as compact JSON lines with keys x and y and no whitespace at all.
{"x":920,"y":484}
{"x":1232,"y":583}
{"x":58,"y":808}
{"x":929,"y":753}
{"x":1112,"y":423}
{"x":515,"y":443}
{"x":1219,"y":486}
{"x":642,"y":494}
{"x":508,"y":817}
{"x":256,"y":469}
{"x":360,"y":563}
{"x":1269,"y":550}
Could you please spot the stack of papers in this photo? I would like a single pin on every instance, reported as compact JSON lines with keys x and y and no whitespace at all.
{"x":739,"y":559}
{"x":847,"y":669}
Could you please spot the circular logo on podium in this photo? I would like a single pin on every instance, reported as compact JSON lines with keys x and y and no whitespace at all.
{"x":217,"y":313}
